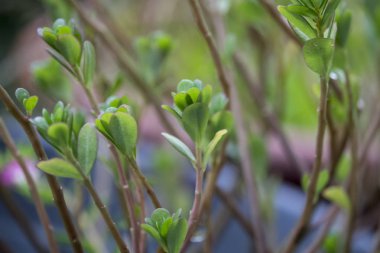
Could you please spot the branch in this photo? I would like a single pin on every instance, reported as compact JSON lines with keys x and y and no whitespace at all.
{"x":53,"y":183}
{"x":41,"y":211}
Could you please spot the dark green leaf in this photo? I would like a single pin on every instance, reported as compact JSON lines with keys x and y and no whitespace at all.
{"x":179,"y":146}
{"x":60,"y":168}
{"x":329,"y":13}
{"x":343,"y":28}
{"x":318,"y":54}
{"x":87,"y":147}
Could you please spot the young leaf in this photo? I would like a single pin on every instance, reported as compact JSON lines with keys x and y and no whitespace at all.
{"x":60,"y":168}
{"x":176,"y":236}
{"x":343,"y":29}
{"x":302,"y":10}
{"x":155,"y":234}
{"x":87,"y":147}
{"x":318,"y":54}
{"x":211,"y":146}
{"x":88,"y":62}
{"x":172,"y":111}
{"x":329,"y":13}
{"x":194,"y":119}
{"x":337,"y":195}
{"x":297,"y":21}
{"x":58,"y":134}
{"x":179,"y":146}
{"x":123,"y":129}
{"x":21,"y":94}
{"x":69,"y":47}
{"x":29,"y":104}
{"x":184,"y":85}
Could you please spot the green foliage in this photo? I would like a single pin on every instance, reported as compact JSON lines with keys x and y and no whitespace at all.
{"x":60,"y":168}
{"x":318,"y":54}
{"x":168,"y":230}
{"x":180,"y":146}
{"x":88,"y":63}
{"x":337,"y":195}
{"x":323,"y":179}
{"x":29,"y":102}
{"x":120,"y":128}
{"x":87,"y":147}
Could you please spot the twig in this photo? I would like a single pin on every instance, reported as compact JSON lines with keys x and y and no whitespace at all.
{"x":231,"y":92}
{"x":99,"y":204}
{"x":352,"y":181}
{"x":41,"y":211}
{"x":53,"y":183}
{"x":124,"y":62}
{"x":267,"y":116}
{"x":301,"y":226}
{"x":19,"y":217}
{"x":319,"y":238}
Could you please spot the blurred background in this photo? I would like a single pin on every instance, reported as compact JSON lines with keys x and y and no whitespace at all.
{"x":166,"y":46}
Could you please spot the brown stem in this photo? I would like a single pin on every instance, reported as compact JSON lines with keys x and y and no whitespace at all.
{"x":41,"y":211}
{"x":267,"y":116}
{"x":319,"y":238}
{"x":301,"y":226}
{"x":145,"y":182}
{"x":53,"y":183}
{"x":231,"y":92}
{"x":125,"y":63}
{"x":99,"y":204}
{"x":352,"y":181}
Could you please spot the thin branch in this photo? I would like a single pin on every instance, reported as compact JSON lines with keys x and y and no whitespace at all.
{"x":53,"y":183}
{"x":231,"y":92}
{"x":302,"y":223}
{"x":41,"y":211}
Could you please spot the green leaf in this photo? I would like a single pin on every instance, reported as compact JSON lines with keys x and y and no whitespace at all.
{"x":69,"y":47}
{"x":180,"y":100}
{"x":329,"y":13}
{"x":123,"y":129}
{"x":48,"y":36}
{"x":58,"y":134}
{"x":297,"y":21}
{"x":302,"y":10}
{"x":21,"y":94}
{"x":29,"y":104}
{"x":88,"y":62}
{"x":318,"y":54}
{"x":218,"y":103}
{"x":87,"y":147}
{"x":343,"y":28}
{"x":172,"y":111}
{"x":194,"y":119}
{"x":159,"y":215}
{"x":337,"y":195}
{"x":176,"y":236}
{"x":211,"y":146}
{"x":179,"y":146}
{"x":194,"y":94}
{"x":155,"y":234}
{"x":323,"y":179}
{"x":206,"y":94}
{"x":184,"y":85}
{"x":60,"y":168}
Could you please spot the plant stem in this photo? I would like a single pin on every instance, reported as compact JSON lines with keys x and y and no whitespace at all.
{"x":145,"y":182}
{"x":352,"y":181}
{"x":41,"y":211}
{"x":195,"y":210}
{"x":301,"y":226}
{"x":231,"y":93}
{"x":99,"y":204}
{"x":53,"y":183}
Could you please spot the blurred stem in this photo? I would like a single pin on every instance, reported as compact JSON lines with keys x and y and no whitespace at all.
{"x":145,"y":182}
{"x":99,"y":204}
{"x":53,"y":183}
{"x":20,"y":218}
{"x":352,"y":181}
{"x":303,"y":222}
{"x":41,"y":211}
{"x":125,"y":63}
{"x":195,"y":210}
{"x":231,"y":92}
